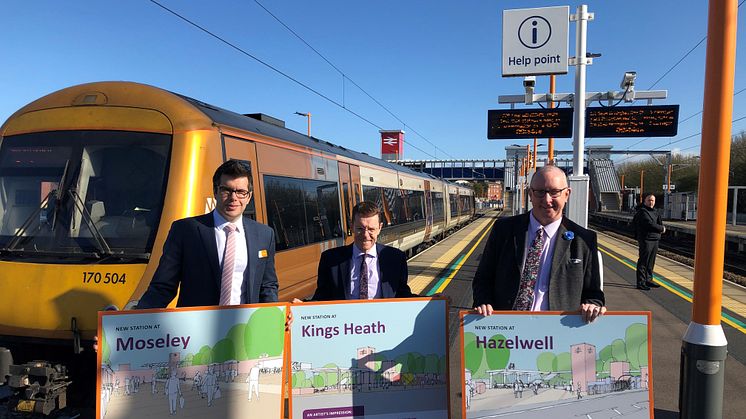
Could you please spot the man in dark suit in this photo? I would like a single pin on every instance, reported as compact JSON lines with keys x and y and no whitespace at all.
{"x":363,"y":269}
{"x":540,"y":260}
{"x":648,"y":229}
{"x":220,"y":258}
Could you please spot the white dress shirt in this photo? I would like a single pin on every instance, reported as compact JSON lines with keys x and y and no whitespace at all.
{"x":242,"y":257}
{"x":541,"y":300}
{"x":371,"y":261}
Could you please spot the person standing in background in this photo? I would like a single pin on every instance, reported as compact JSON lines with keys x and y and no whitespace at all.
{"x":648,"y":229}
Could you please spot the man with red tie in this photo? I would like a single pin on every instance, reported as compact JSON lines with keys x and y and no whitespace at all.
{"x":540,"y":260}
{"x":364,"y":269}
{"x":219,"y":258}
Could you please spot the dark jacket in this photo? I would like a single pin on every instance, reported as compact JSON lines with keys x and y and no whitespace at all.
{"x":574,"y":277}
{"x":334,"y":273}
{"x":648,"y":223}
{"x":190,"y":264}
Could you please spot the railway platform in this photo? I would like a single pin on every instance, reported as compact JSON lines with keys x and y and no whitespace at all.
{"x":449,"y":267}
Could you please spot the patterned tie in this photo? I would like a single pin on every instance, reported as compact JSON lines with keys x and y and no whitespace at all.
{"x":229,"y":261}
{"x":525,"y":298}
{"x":363,"y":278}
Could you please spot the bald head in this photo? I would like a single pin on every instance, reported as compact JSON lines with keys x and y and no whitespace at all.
{"x":549,"y":194}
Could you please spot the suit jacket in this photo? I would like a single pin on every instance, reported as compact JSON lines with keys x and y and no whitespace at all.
{"x":574,"y":277}
{"x":190,"y":263}
{"x":648,"y":224}
{"x":334,"y":273}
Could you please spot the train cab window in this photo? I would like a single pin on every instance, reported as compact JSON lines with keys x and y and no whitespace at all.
{"x":82,"y":193}
{"x":302,"y":211}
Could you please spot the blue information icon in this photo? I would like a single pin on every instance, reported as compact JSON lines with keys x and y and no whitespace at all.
{"x":534,"y":32}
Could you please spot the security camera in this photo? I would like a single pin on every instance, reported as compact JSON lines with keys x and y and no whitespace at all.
{"x":628,"y":80}
{"x":529,"y":81}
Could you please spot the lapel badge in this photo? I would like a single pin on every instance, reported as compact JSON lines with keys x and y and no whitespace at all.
{"x":262,"y":253}
{"x":568,"y":235}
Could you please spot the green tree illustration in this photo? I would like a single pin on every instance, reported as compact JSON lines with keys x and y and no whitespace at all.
{"x":636,"y":337}
{"x":105,"y":349}
{"x":203,"y":357}
{"x":332,"y":377}
{"x":431,"y":364}
{"x":236,"y":334}
{"x":497,"y":359}
{"x":545,"y":362}
{"x":223,"y":351}
{"x":473,"y":356}
{"x":619,"y":350}
{"x":265,"y":333}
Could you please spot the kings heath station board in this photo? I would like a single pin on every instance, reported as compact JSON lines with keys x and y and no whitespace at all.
{"x":621,"y":121}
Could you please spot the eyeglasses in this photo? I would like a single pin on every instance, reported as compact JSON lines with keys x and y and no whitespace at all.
{"x":360,"y":230}
{"x":554,"y":193}
{"x":225,"y":192}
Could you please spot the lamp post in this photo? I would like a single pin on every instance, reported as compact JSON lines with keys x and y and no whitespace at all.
{"x":308,"y":117}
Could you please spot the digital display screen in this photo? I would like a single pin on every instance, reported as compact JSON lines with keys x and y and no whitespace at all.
{"x":505,"y":124}
{"x":632,"y":121}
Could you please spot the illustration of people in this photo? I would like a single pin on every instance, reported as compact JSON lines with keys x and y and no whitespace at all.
{"x":116,"y":386}
{"x":467,"y":394}
{"x":580,"y":396}
{"x":210,"y":385}
{"x":127,"y":386}
{"x":152,"y":385}
{"x":253,"y":380}
{"x":535,"y":388}
{"x":197,"y":383}
{"x":173,"y":391}
{"x":515,"y":389}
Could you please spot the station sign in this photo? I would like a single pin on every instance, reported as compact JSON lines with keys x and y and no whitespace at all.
{"x":505,"y":124}
{"x":535,"y":41}
{"x":632,"y":121}
{"x":673,"y":187}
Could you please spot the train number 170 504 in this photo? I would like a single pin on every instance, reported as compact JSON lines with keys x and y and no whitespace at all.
{"x":105,"y":278}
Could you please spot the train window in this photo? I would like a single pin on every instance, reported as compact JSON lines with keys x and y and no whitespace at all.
{"x":438,"y":209}
{"x":453,"y":198}
{"x":82,"y":192}
{"x":302,"y":211}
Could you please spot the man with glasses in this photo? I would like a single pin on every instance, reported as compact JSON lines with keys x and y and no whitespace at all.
{"x":219,"y":258}
{"x":541,"y":260}
{"x":364,"y":269}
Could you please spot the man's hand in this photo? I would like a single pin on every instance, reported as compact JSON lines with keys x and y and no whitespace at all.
{"x":591,"y":312}
{"x":484,"y":309}
{"x":296,"y":301}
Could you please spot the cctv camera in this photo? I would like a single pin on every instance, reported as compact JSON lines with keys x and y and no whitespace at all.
{"x":628,"y":80}
{"x":529,"y":81}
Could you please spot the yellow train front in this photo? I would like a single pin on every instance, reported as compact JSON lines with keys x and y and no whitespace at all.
{"x":92,"y":176}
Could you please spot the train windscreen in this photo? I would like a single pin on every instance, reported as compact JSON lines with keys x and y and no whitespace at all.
{"x":67,"y":195}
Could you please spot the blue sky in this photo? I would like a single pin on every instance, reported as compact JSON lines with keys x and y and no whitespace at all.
{"x":434,"y":64}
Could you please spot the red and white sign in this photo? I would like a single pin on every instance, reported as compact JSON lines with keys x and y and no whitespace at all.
{"x":392,"y":144}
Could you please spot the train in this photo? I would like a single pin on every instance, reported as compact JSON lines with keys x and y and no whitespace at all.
{"x":92,"y":176}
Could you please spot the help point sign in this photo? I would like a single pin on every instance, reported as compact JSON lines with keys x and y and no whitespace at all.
{"x":535,"y":41}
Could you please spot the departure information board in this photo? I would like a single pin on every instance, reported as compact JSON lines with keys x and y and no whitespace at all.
{"x":504,"y":124}
{"x":632,"y":121}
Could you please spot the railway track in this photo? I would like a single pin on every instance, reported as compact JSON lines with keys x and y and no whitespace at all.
{"x":681,"y":249}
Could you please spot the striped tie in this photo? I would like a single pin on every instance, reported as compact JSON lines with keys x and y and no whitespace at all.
{"x":525,"y":298}
{"x":229,"y":261}
{"x":363,"y":278}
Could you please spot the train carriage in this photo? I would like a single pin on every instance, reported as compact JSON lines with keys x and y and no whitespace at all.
{"x":92,"y":176}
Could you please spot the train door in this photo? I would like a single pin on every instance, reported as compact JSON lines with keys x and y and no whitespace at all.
{"x":349,"y":179}
{"x":428,"y":211}
{"x":245,"y":151}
